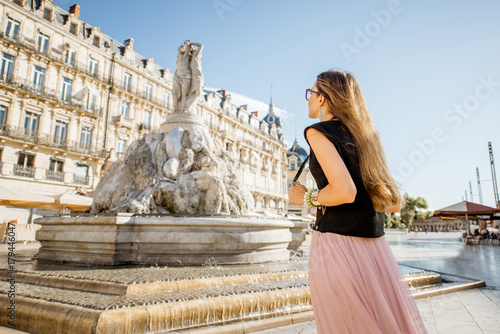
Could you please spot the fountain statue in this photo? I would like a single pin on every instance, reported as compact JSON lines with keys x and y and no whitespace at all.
{"x":173,"y":199}
{"x":182,"y":170}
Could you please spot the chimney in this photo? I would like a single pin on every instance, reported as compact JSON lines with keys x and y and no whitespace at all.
{"x":75,"y":9}
{"x":129,"y":42}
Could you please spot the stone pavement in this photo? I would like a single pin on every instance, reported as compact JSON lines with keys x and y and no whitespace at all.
{"x":468,"y":312}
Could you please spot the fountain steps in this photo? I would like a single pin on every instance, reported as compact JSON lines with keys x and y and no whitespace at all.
{"x":247,"y":301}
{"x":113,"y":288}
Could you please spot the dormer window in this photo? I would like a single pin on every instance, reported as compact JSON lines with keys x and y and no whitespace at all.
{"x":47,"y":14}
{"x":73,"y":28}
{"x":130,"y":58}
{"x":97,"y":41}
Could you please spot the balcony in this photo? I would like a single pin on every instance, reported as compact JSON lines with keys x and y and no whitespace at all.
{"x":75,"y":65}
{"x":27,"y":171}
{"x":81,"y":179}
{"x":25,"y":135}
{"x":47,"y":93}
{"x":54,"y":176}
{"x":123,"y":121}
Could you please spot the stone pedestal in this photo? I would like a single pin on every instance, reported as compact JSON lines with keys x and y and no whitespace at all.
{"x":126,"y":239}
{"x":184,"y":120}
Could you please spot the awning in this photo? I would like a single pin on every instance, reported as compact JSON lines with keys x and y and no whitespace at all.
{"x":73,"y":202}
{"x":25,"y":199}
{"x":466,"y":208}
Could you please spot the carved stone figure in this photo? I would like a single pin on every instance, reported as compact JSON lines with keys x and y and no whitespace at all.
{"x":188,"y":78}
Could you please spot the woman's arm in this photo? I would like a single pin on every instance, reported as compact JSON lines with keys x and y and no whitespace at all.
{"x":341,"y":188}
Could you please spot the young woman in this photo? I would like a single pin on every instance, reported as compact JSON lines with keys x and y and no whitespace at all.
{"x":356,"y":284}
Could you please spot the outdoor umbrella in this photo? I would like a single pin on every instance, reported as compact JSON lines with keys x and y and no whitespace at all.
{"x":468,"y":210}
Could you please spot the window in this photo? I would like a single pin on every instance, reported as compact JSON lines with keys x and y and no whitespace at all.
{"x":26,"y":159}
{"x":55,"y":171}
{"x":7,"y":68}
{"x":97,"y":41}
{"x":86,"y":137}
{"x":25,"y":165}
{"x":47,"y":14}
{"x":163,"y":119}
{"x":38,"y":77}
{"x":149,"y":91}
{"x":166,"y":100}
{"x":56,"y":165}
{"x":12,"y":28}
{"x":69,"y":57}
{"x":42,"y":44}
{"x":73,"y":28}
{"x":125,"y":108}
{"x":66,"y":89}
{"x":126,"y":81}
{"x":120,"y":148}
{"x":263,"y":202}
{"x":93,"y":66}
{"x":292,"y":165}
{"x":130,"y":58}
{"x":60,"y":132}
{"x":3,"y":115}
{"x":90,"y":101}
{"x":31,"y":122}
{"x":146,"y":118}
{"x":81,"y":174}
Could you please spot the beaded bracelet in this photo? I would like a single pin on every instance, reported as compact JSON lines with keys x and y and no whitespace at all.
{"x":307,"y":198}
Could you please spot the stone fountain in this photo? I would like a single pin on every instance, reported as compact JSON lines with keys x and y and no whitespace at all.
{"x":174,"y":199}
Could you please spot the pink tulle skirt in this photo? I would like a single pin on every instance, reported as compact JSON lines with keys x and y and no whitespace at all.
{"x":357,"y":287}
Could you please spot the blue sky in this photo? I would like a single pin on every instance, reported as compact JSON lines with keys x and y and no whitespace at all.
{"x":429,"y":70}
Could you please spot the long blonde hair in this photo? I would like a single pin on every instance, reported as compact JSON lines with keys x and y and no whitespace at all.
{"x":346,"y":102}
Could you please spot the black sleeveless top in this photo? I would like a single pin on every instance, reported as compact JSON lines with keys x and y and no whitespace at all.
{"x":357,"y":219}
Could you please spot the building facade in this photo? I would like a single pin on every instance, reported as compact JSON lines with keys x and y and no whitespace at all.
{"x":72,"y":99}
{"x":296,"y":156}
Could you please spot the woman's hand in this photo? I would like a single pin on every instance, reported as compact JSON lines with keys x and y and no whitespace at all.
{"x":296,"y":194}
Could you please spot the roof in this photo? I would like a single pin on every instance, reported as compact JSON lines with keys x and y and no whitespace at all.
{"x":271,"y":117}
{"x":298,"y":150}
{"x":466,"y":208}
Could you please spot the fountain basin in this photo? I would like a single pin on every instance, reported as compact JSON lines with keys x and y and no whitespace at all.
{"x":163,"y":240}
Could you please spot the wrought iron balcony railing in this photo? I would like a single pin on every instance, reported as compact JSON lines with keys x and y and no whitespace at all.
{"x":76,"y":65}
{"x":26,"y":171}
{"x":26,"y":135}
{"x":80,"y":179}
{"x":30,"y":87}
{"x":54,"y":175}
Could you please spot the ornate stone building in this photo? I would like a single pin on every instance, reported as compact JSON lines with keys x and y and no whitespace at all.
{"x":296,"y":156}
{"x":72,"y":99}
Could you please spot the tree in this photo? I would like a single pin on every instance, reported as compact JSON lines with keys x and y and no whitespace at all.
{"x":414,"y":208}
{"x":392,"y":220}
